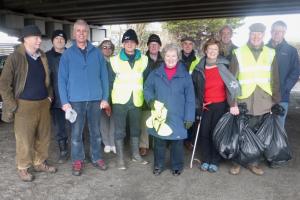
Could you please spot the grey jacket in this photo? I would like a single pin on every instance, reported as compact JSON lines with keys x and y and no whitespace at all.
{"x":232,"y":85}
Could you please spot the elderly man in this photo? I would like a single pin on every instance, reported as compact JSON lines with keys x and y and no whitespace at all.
{"x":225,"y":34}
{"x":59,"y":40}
{"x":83,"y":89}
{"x":189,"y":58}
{"x":256,"y":69}
{"x":26,"y":93}
{"x":154,"y":61}
{"x":127,"y":69}
{"x":288,"y":62}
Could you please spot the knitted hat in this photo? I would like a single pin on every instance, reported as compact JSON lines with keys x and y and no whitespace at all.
{"x":59,"y":33}
{"x":154,"y":38}
{"x":257,"y":27}
{"x":130,"y":34}
{"x":30,"y":30}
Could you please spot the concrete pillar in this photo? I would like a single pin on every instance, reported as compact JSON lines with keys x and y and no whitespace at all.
{"x":13,"y":21}
{"x":97,"y":35}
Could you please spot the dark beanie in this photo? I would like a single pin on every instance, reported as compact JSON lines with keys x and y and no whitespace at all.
{"x":154,"y":38}
{"x":130,"y":35}
{"x":30,"y":30}
{"x":59,"y":33}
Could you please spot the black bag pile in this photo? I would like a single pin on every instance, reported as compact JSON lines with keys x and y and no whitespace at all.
{"x":235,"y":140}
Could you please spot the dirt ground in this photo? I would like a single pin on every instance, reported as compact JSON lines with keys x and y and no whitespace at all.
{"x":138,"y":182}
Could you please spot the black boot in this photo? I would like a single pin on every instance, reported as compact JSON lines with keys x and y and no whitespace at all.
{"x":63,"y":149}
{"x":136,"y":157}
{"x":120,"y":154}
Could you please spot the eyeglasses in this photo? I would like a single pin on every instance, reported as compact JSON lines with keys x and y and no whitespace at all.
{"x":106,"y":47}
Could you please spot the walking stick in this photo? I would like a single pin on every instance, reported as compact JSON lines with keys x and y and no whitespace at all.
{"x":195,"y":144}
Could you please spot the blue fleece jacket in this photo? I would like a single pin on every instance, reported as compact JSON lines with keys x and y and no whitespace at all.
{"x":82,"y":77}
{"x":289,"y":68}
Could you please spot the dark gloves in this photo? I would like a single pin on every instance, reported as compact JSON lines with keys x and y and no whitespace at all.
{"x":151,"y":104}
{"x":188,"y":125}
{"x":277,"y":110}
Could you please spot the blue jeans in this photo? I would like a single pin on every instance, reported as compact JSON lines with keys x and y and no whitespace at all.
{"x":91,"y":111}
{"x":59,"y":124}
{"x":176,"y":153}
{"x":281,"y":119}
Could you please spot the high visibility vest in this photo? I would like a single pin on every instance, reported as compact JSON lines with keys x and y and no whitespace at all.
{"x":193,"y":65}
{"x":128,"y":80}
{"x":253,"y":72}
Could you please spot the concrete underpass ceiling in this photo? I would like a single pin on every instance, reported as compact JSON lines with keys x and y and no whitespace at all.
{"x":103,"y":12}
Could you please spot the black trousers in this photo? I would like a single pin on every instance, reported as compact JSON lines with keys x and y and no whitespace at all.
{"x":210,"y":118}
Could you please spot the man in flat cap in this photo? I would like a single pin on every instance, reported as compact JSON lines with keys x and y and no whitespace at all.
{"x":26,"y":92}
{"x":59,"y":40}
{"x":191,"y":60}
{"x":256,"y":69}
{"x":126,"y":77}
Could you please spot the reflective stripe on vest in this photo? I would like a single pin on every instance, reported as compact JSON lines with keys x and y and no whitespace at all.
{"x":253,"y":72}
{"x":193,"y":65}
{"x":128,"y":80}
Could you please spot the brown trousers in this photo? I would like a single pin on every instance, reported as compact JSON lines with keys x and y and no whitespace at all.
{"x":32,"y":131}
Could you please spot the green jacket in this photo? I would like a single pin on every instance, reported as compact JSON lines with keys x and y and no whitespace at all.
{"x":13,"y":78}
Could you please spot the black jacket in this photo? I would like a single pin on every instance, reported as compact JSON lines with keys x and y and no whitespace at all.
{"x":53,"y":58}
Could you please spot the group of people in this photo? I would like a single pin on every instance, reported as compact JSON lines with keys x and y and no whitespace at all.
{"x":162,"y":93}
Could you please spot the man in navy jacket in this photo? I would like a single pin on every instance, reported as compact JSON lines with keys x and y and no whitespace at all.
{"x":83,"y":87}
{"x":288,"y":62}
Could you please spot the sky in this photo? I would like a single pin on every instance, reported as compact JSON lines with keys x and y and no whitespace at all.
{"x":241,"y":34}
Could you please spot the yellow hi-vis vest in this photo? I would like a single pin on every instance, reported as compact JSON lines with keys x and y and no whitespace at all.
{"x":253,"y":72}
{"x":128,"y":80}
{"x":193,"y":65}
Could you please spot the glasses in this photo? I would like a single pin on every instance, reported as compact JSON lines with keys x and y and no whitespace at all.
{"x":106,"y":47}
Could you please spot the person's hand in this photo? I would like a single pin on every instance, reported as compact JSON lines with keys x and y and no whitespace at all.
{"x":104,"y":104}
{"x":151,"y":104}
{"x":277,"y":109}
{"x":188,"y":125}
{"x":234,"y":110}
{"x":66,"y":107}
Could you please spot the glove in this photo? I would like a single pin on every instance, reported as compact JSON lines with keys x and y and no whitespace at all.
{"x":151,"y":104}
{"x":71,"y":115}
{"x":277,"y":110}
{"x":188,"y":125}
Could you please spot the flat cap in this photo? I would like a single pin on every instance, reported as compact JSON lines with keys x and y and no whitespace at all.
{"x":187,"y":38}
{"x":257,"y":27}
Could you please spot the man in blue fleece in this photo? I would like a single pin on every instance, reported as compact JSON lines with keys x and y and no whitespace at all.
{"x":83,"y":87}
{"x":288,"y":62}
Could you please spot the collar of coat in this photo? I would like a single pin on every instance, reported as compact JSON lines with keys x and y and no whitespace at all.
{"x":281,"y":44}
{"x":180,"y":72}
{"x":221,"y":61}
{"x":124,"y":57}
{"x":89,"y":45}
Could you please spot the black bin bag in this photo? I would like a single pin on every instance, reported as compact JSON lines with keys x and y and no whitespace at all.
{"x":274,"y":137}
{"x":225,"y":136}
{"x":250,"y":147}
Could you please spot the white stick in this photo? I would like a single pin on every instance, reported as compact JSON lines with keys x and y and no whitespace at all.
{"x":195,"y":144}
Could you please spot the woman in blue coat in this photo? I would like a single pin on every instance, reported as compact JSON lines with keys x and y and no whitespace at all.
{"x":170,"y":93}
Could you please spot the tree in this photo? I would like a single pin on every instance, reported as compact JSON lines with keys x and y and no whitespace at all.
{"x":200,"y":30}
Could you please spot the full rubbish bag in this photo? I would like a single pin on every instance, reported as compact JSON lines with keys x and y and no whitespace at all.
{"x":274,"y":137}
{"x":225,"y":136}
